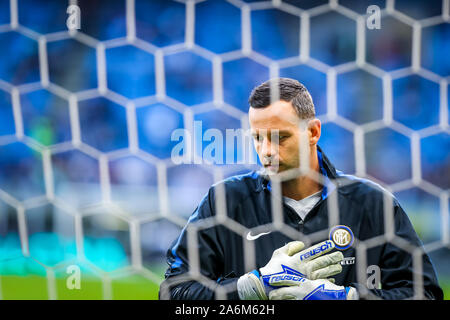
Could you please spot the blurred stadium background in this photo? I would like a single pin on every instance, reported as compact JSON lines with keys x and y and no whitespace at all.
{"x":86,"y":120}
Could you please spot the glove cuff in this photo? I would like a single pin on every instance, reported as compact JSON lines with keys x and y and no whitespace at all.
{"x":250,"y":287}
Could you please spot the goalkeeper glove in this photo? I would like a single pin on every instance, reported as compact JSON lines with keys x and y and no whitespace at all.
{"x":288,"y":263}
{"x":305,"y":289}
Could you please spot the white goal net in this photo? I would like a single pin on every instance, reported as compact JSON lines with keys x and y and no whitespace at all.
{"x":88,"y":175}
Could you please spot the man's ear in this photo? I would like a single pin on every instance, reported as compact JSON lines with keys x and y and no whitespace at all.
{"x":314,"y":129}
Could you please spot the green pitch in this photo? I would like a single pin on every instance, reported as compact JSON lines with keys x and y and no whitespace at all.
{"x":132,"y":287}
{"x":25,"y":280}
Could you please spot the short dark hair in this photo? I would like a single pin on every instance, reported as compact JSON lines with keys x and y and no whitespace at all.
{"x":290,"y":90}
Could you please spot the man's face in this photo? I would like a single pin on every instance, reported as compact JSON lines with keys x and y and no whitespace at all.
{"x":277,"y":134}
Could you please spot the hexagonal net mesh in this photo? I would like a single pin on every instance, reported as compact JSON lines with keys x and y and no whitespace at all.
{"x":88,"y":176}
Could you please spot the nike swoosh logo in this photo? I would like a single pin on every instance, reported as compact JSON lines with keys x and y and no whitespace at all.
{"x":250,"y":237}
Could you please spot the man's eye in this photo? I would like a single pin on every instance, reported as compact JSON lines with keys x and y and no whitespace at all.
{"x":280,"y":138}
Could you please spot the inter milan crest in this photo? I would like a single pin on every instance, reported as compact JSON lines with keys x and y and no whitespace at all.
{"x":342,"y":236}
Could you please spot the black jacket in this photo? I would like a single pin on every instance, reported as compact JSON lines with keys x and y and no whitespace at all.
{"x":248,"y":202}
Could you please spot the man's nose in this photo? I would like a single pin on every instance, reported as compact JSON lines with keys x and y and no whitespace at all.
{"x":268,"y":149}
{"x":265,"y":148}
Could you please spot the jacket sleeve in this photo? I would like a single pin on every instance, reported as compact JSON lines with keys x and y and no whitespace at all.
{"x":397,"y":267}
{"x":210,"y":258}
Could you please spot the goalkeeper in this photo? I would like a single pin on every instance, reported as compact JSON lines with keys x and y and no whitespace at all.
{"x":286,"y":268}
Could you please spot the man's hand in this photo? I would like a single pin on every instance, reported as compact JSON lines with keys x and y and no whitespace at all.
{"x":287,"y":265}
{"x":314,"y":290}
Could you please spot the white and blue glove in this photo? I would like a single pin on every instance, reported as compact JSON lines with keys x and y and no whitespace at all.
{"x":289,"y":267}
{"x":321,"y":289}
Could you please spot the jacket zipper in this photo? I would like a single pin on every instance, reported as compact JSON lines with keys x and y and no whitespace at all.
{"x":300,"y":225}
{"x":296,"y":218}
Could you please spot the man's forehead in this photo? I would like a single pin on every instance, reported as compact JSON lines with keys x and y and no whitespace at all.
{"x":280,"y":131}
{"x":279,"y":114}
